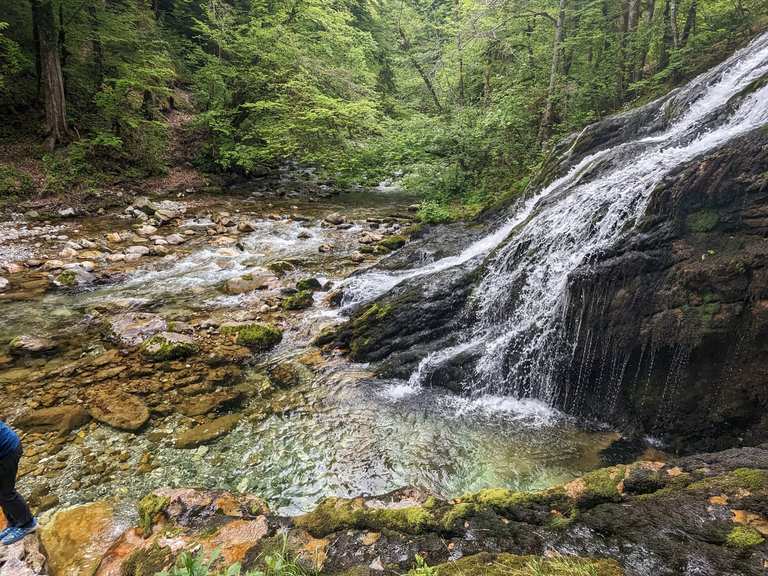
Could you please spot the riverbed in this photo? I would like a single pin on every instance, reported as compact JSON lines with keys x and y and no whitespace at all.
{"x":336,"y":430}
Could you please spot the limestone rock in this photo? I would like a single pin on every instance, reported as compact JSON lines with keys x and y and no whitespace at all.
{"x":56,"y":419}
{"x":76,"y":538}
{"x":118,"y":409}
{"x":31,"y":345}
{"x":249,"y":283}
{"x":215,"y":402}
{"x":132,"y":328}
{"x":207,"y":432}
{"x":169,"y":346}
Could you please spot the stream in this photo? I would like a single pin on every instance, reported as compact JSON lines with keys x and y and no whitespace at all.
{"x":340,"y":432}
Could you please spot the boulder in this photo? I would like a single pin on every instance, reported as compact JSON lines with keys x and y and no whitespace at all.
{"x":132,"y":328}
{"x":256,"y":336}
{"x":299,"y":301}
{"x":310,"y":284}
{"x":335,"y":218}
{"x":118,"y":409}
{"x":215,"y":402}
{"x":168,"y":346}
{"x":62,"y":419}
{"x":31,"y":346}
{"x":249,"y":283}
{"x":76,"y":538}
{"x":207,"y":432}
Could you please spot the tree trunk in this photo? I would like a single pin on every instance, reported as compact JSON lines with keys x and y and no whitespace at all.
{"x":650,"y":8}
{"x":405,"y":44}
{"x":673,"y":23}
{"x":666,"y":38}
{"x":547,"y":118}
{"x":96,"y":45}
{"x":51,"y":79}
{"x":690,"y":23}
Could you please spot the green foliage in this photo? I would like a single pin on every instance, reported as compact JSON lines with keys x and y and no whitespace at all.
{"x":423,"y":569}
{"x":449,"y":96}
{"x":277,"y":563}
{"x":743,"y":537}
{"x":14,"y":184}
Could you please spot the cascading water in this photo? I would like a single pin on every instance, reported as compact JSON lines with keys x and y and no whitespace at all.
{"x":518,"y":308}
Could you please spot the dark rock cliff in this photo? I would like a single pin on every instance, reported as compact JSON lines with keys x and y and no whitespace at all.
{"x":672,"y":323}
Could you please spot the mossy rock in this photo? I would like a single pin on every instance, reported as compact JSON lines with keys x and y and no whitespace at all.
{"x":335,"y":514}
{"x":488,"y":564}
{"x":310,"y":284}
{"x":149,"y":508}
{"x":68,"y":279}
{"x":168,"y":346}
{"x":256,"y":336}
{"x":743,"y":537}
{"x":751,"y":479}
{"x":299,"y":301}
{"x":280,"y":267}
{"x":393,"y":242}
{"x":702,"y":221}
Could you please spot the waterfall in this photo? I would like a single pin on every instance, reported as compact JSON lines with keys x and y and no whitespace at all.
{"x":518,"y":308}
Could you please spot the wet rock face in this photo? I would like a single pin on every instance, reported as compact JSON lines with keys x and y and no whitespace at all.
{"x":681,"y":309}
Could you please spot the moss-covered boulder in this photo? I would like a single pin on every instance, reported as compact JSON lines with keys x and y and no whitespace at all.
{"x":309,"y":284}
{"x":168,"y":346}
{"x":255,"y":335}
{"x":393,"y":242}
{"x":299,"y":301}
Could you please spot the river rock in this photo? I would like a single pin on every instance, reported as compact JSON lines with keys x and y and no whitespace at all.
{"x":31,"y":345}
{"x":76,"y":538}
{"x":137,"y":250}
{"x":25,"y":558}
{"x":4,"y":284}
{"x":146,"y":230}
{"x":289,"y":374}
{"x":249,"y":283}
{"x":62,"y":419}
{"x":335,"y":218}
{"x":118,"y":409}
{"x":299,"y":301}
{"x":174,"y":239}
{"x":168,"y":346}
{"x":215,"y":402}
{"x":68,"y":253}
{"x":133,"y":328}
{"x":207,"y":432}
{"x":74,"y":277}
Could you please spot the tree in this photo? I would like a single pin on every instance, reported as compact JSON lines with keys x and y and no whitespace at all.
{"x":51,"y":76}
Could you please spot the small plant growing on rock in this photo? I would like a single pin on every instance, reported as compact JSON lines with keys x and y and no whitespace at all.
{"x":743,"y":537}
{"x":422,"y":568}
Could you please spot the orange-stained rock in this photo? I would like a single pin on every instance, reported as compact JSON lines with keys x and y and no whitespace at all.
{"x":238,"y":537}
{"x":76,"y":538}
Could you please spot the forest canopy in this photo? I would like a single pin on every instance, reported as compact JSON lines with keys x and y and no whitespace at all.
{"x":462,"y":98}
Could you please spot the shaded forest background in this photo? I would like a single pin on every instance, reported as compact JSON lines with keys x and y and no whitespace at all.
{"x":459,"y":98}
